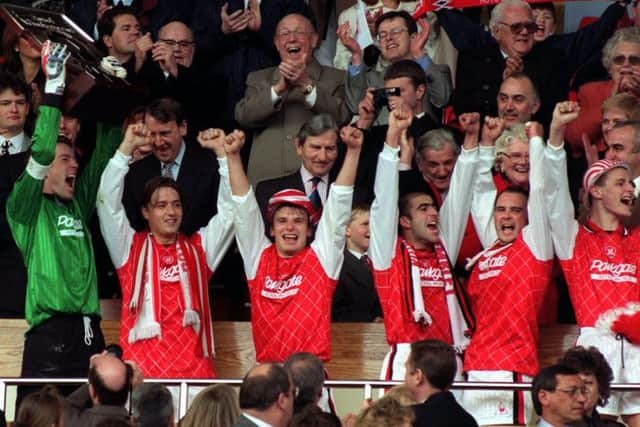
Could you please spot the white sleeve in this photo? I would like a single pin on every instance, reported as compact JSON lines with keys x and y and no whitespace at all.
{"x":217,"y":235}
{"x":383,"y":220}
{"x":537,"y":234}
{"x":454,"y":213}
{"x":564,"y":227}
{"x":250,"y":236}
{"x":114,"y":224}
{"x":483,"y":198}
{"x":330,"y":234}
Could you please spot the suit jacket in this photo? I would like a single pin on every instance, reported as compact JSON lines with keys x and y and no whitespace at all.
{"x":442,"y":410}
{"x":355,"y":298}
{"x":275,"y":127}
{"x":244,"y":422}
{"x":198,"y":181}
{"x":79,"y":411}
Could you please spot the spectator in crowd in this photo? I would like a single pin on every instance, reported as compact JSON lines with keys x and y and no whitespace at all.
{"x":14,"y":153}
{"x":385,"y":412}
{"x":120,"y":37}
{"x":307,"y":374}
{"x":621,"y":57}
{"x":409,"y":255}
{"x":430,"y":370}
{"x":317,"y":145}
{"x":49,"y":226}
{"x":42,"y":408}
{"x":355,"y":298}
{"x":291,"y":282}
{"x":216,"y":405}
{"x":113,"y":422}
{"x":166,"y":325}
{"x":266,"y":397}
{"x":596,"y":375}
{"x":237,"y":37}
{"x":403,"y":394}
{"x":279,"y":100}
{"x":599,"y":260}
{"x":110,"y":380}
{"x":518,"y":99}
{"x":399,"y":40}
{"x":172,"y":156}
{"x":558,"y":396}
{"x":409,"y":78}
{"x":504,"y":344}
{"x":152,"y":406}
{"x":312,"y":416}
{"x":624,"y":146}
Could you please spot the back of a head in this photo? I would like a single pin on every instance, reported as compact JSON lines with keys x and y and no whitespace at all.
{"x":260,"y":390}
{"x":312,"y":416}
{"x":385,"y":412}
{"x":40,"y":409}
{"x":307,"y":374}
{"x":214,"y":406}
{"x":152,"y":405}
{"x":437,"y":361}
{"x":102,"y":378}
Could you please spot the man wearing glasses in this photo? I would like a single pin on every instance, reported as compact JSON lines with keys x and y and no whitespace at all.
{"x":278,"y":100}
{"x":558,"y":396}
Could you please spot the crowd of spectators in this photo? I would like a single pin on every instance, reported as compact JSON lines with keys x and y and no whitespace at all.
{"x":334,"y":163}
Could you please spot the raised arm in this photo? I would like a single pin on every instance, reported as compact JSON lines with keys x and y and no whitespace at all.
{"x":114,"y":224}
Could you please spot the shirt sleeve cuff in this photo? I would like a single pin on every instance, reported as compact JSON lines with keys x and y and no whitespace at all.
{"x":354,"y":70}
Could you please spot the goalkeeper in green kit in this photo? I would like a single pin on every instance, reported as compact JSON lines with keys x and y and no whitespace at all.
{"x":48,"y":211}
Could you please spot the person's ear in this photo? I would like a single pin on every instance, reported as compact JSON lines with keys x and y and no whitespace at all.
{"x":405,"y":222}
{"x":145,"y":212}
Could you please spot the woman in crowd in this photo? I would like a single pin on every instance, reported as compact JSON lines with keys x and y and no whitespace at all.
{"x":41,"y":409}
{"x":215,"y":406}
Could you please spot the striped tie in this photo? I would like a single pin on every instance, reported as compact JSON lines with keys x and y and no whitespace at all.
{"x":314,"y":195}
{"x":167,"y":170}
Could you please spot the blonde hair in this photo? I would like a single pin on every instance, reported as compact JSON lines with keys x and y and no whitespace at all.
{"x":516,"y":132}
{"x":402,"y":394}
{"x":385,"y":412}
{"x":623,"y":102}
{"x":215,"y":406}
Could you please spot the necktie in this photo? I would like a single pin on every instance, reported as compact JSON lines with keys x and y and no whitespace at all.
{"x":364,"y":259}
{"x":314,"y":195}
{"x":167,"y":170}
{"x":4,"y":148}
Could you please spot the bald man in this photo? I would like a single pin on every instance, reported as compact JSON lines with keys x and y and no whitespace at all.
{"x":110,"y":380}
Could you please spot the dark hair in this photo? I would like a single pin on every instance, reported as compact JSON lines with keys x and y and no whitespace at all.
{"x":404,"y":203}
{"x":42,"y":408}
{"x":113,"y":422}
{"x":412,"y":27}
{"x":152,"y":405}
{"x":307,"y":373}
{"x":106,"y":396}
{"x":165,"y":110}
{"x":107,"y":22}
{"x":547,"y":380}
{"x":512,"y":189}
{"x":406,"y":68}
{"x":13,"y":81}
{"x":437,"y":361}
{"x":591,"y":361}
{"x":521,"y":75}
{"x":545,"y":5}
{"x":312,"y":416}
{"x":316,"y":126}
{"x":260,"y":391}
{"x":155,"y":183}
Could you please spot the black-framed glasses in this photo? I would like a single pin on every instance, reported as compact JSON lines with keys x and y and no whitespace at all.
{"x":517,"y":27}
{"x":393,"y":33}
{"x":621,"y":59}
{"x":181,"y":43}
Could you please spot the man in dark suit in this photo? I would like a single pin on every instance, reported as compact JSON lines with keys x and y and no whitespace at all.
{"x":266,"y":396}
{"x":192,"y":167}
{"x":317,"y":145}
{"x":355,"y":298}
{"x":430,"y":370}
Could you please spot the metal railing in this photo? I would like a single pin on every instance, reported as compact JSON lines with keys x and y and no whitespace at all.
{"x":184,"y":385}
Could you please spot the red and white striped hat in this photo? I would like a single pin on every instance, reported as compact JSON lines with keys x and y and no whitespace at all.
{"x":598,"y":169}
{"x":292,"y":197}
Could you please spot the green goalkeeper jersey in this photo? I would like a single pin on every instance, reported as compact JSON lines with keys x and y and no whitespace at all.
{"x":52,"y":234}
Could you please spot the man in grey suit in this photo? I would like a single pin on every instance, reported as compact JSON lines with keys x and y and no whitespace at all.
{"x":266,"y":397}
{"x":278,"y":100}
{"x":398,"y":39}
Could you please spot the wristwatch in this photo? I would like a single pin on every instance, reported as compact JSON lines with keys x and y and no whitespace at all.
{"x":308,"y":89}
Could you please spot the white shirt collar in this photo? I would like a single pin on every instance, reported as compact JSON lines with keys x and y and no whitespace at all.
{"x":356,"y":253}
{"x":19,"y":143}
{"x":180,"y":156}
{"x":256,"y":421}
{"x":306,"y":175}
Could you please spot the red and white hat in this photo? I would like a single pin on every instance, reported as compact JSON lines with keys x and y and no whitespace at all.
{"x":598,"y":169}
{"x":292,"y":197}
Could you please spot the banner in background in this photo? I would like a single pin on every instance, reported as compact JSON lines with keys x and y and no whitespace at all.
{"x":432,"y":5}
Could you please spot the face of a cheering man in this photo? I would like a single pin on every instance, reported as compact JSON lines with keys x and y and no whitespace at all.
{"x":614,"y":190}
{"x":166,"y":137}
{"x":420,"y":227}
{"x":164,"y":214}
{"x":510,"y":215}
{"x":290,"y":230}
{"x":61,"y":176}
{"x":519,"y":42}
{"x":319,"y":153}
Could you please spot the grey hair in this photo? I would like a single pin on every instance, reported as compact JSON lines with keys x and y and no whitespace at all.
{"x":316,"y":126}
{"x":152,"y":405}
{"x":635,"y":124}
{"x":515,"y":132}
{"x":628,"y":35}
{"x":497,"y":12}
{"x":435,"y":140}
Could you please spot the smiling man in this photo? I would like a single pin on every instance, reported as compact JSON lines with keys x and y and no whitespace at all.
{"x":291,"y":282}
{"x":278,"y":100}
{"x":518,"y":99}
